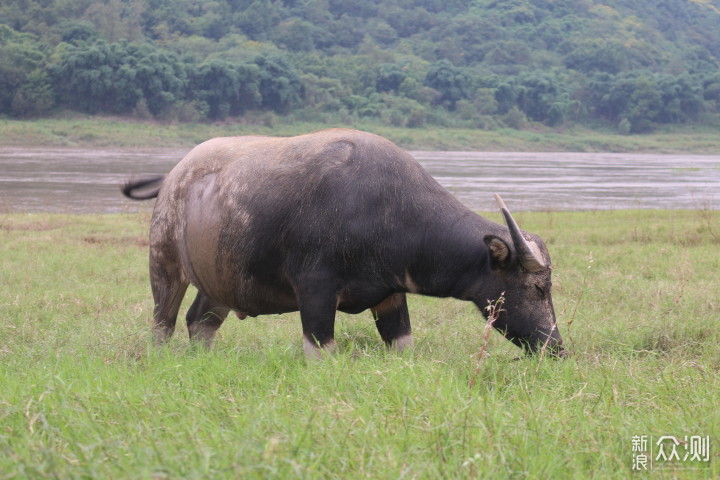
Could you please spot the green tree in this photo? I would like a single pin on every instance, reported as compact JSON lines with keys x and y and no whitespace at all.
{"x":159,"y":76}
{"x":345,"y":32}
{"x":296,"y":35}
{"x":113,"y":78}
{"x":597,"y":55}
{"x":644,"y":105}
{"x":322,"y":93}
{"x":711,"y":90}
{"x":507,"y":93}
{"x":543,"y":60}
{"x":634,"y":97}
{"x":74,"y":32}
{"x":451,"y":81}
{"x":389,"y":77}
{"x":542,"y":98}
{"x":258,"y":18}
{"x":511,"y":52}
{"x":24,"y":89}
{"x":681,"y":98}
{"x":34,"y":96}
{"x":363,"y":9}
{"x":117,"y":20}
{"x":226,"y":89}
{"x":280,"y":85}
{"x":409,"y":21}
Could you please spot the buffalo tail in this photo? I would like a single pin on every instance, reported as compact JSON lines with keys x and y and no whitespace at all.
{"x":149,"y":182}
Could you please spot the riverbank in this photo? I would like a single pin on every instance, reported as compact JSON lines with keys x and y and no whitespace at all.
{"x":94,"y":131}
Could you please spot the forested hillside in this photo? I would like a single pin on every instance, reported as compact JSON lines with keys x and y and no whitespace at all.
{"x":630,"y":64}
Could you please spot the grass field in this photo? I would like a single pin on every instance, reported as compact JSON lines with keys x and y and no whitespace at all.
{"x":76,"y":130}
{"x":84,"y":395}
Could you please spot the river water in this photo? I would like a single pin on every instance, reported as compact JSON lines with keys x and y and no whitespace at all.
{"x":73,"y":180}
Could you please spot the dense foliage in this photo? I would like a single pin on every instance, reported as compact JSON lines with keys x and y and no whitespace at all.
{"x":479,"y":63}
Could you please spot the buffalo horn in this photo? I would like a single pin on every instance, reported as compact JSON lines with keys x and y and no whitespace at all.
{"x":528,"y":252}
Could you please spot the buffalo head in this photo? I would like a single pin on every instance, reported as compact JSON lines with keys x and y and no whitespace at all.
{"x":520,"y":271}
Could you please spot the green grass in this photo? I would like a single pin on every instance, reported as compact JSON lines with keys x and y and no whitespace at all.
{"x":95,"y":131}
{"x":84,"y":395}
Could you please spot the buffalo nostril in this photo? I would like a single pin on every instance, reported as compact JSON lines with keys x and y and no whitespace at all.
{"x":560,"y":353}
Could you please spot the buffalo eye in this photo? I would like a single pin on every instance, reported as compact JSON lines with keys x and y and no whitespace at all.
{"x":540,"y":291}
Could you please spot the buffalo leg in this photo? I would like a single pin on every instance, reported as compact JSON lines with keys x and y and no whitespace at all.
{"x":204,"y":318}
{"x":168,"y":287}
{"x":168,"y":297}
{"x":317,"y":313}
{"x":392,"y":320}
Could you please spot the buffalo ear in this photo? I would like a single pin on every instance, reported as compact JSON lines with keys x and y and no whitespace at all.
{"x":498,"y":248}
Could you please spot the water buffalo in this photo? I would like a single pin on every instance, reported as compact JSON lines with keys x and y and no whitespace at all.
{"x":333,"y":220}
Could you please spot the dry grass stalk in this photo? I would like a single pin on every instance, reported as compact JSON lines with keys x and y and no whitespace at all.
{"x":493,"y":310}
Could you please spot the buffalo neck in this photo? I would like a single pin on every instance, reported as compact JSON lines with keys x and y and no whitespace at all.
{"x":450,"y":256}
